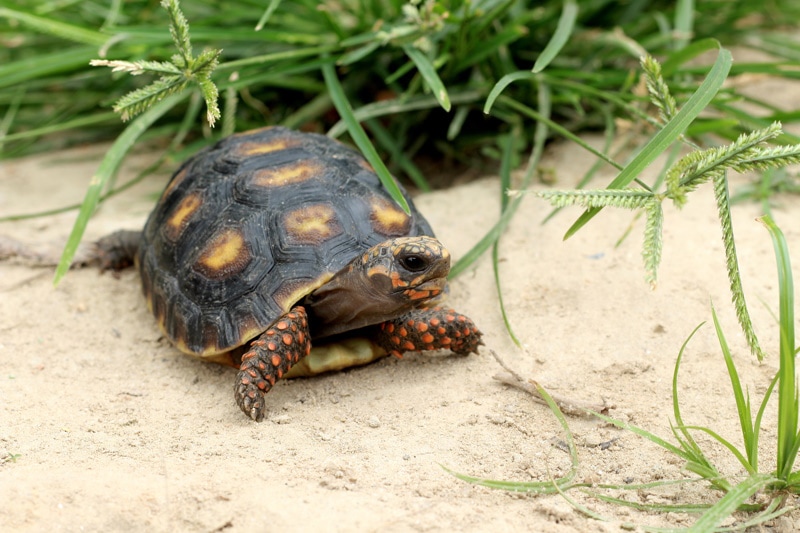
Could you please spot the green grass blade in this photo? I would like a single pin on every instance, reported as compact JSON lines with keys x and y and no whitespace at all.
{"x":502,"y":83}
{"x":492,"y":46}
{"x":273,"y":5}
{"x":760,"y":414}
{"x":538,"y":487}
{"x":652,"y":507}
{"x":566,"y":23}
{"x":655,"y":439}
{"x":400,"y":105}
{"x":727,"y":444}
{"x":107,"y":168}
{"x":742,"y":404}
{"x":672,"y":63}
{"x":729,"y":503}
{"x":44,"y":65}
{"x":787,"y":389}
{"x":359,"y":136}
{"x":676,"y":407}
{"x":428,"y":72}
{"x":684,"y":22}
{"x":535,"y":487}
{"x":385,"y":139}
{"x":772,"y":511}
{"x":358,"y":54}
{"x":666,"y":136}
{"x":505,"y":183}
{"x":55,"y":27}
{"x":556,"y":127}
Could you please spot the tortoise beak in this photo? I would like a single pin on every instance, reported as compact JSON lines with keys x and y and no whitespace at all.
{"x":426,"y":290}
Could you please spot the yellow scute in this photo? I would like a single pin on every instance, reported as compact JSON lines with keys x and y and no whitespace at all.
{"x":290,"y":174}
{"x":226,"y":254}
{"x":312,"y":224}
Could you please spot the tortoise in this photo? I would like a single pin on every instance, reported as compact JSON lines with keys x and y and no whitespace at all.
{"x":272,"y":238}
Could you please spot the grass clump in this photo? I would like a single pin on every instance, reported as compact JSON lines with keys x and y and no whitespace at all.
{"x":774,"y":485}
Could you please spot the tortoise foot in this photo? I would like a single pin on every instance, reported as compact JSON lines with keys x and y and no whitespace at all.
{"x":435,"y":328}
{"x":270,"y":356}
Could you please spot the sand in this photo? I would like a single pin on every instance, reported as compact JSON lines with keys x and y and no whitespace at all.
{"x":106,"y":427}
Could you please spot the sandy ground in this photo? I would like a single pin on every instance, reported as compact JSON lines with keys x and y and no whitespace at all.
{"x":105,"y":427}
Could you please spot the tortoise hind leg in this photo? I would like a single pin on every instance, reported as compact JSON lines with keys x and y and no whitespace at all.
{"x":270,"y":357}
{"x":117,"y":250}
{"x":112,"y":252}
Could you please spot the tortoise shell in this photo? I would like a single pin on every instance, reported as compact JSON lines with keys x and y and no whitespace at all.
{"x":247,"y":228}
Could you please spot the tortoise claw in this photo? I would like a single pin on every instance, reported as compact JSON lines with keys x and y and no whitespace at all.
{"x":250,"y":400}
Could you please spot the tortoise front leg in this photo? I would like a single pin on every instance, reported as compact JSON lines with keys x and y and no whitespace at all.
{"x":434,"y":328}
{"x":270,"y":356}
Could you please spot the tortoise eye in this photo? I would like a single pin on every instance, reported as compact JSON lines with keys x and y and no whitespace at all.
{"x":414,"y":263}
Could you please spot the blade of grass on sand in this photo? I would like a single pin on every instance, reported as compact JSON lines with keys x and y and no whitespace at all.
{"x":507,"y":145}
{"x":787,"y":390}
{"x":729,"y":503}
{"x":536,"y":487}
{"x":749,"y":436}
{"x":667,"y":135}
{"x":107,"y":168}
{"x":359,"y":136}
{"x":562,"y":34}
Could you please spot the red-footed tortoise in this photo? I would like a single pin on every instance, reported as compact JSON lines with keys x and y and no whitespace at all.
{"x":273,"y":238}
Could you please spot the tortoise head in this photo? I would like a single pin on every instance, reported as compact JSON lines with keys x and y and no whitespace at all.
{"x":385,"y":282}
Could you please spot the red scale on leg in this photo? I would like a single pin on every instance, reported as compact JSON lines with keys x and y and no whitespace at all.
{"x":429,"y":329}
{"x":269,"y":358}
